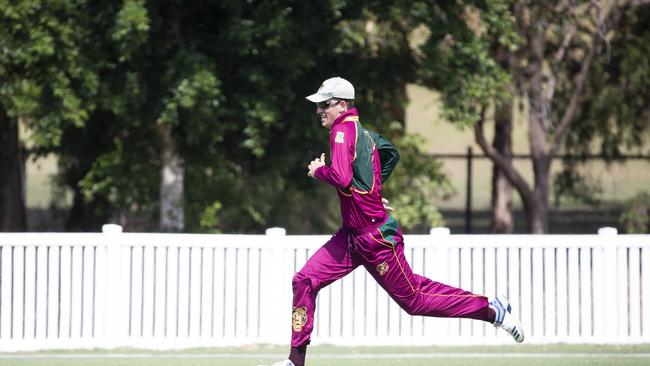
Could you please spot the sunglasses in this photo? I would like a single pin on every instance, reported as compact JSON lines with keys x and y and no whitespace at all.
{"x":326,"y":104}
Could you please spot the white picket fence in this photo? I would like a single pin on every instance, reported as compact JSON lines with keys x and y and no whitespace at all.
{"x":165,"y":291}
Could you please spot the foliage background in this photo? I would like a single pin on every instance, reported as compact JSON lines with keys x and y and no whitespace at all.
{"x":94,"y":82}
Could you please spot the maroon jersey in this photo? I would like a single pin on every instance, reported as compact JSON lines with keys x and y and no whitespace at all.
{"x":361,"y":160}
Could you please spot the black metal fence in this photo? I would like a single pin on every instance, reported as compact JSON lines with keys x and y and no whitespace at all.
{"x":470,"y":213}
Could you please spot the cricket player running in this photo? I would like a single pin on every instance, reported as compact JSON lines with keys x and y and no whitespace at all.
{"x":361,"y":161}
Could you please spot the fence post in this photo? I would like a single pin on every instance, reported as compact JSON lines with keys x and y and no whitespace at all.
{"x":437,"y":262}
{"x":276,"y":291}
{"x":115,"y":312}
{"x":440,"y":237}
{"x":610,"y":275}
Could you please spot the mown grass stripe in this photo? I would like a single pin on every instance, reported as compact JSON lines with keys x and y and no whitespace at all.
{"x":444,"y":355}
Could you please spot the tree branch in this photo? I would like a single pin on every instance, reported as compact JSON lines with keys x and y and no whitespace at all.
{"x":569,"y":31}
{"x":404,"y":38}
{"x":639,"y":2}
{"x":501,"y":161}
{"x":580,"y":80}
{"x":599,"y":34}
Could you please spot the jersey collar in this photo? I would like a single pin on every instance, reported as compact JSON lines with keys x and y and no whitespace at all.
{"x":350,"y":116}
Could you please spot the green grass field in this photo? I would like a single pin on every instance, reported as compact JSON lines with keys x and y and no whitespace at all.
{"x":560,"y":355}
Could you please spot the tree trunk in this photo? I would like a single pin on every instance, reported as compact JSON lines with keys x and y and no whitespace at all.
{"x":542,"y":170}
{"x":172,"y":216}
{"x":537,"y":212}
{"x":502,"y":222}
{"x":538,"y":217}
{"x":12,"y":194}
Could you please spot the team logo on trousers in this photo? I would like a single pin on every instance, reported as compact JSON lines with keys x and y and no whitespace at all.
{"x":382,"y":268}
{"x":299,"y":318}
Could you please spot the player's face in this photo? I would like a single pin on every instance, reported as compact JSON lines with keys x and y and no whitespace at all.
{"x":328,"y":111}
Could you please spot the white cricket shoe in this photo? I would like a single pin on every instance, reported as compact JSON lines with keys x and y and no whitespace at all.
{"x":281,"y":363}
{"x":505,"y":319}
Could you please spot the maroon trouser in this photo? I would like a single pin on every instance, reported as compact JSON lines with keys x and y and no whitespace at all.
{"x":381,"y":251}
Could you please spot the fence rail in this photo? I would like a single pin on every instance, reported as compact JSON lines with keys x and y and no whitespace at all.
{"x":178,"y":290}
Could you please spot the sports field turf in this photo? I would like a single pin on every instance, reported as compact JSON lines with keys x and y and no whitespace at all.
{"x":561,"y":355}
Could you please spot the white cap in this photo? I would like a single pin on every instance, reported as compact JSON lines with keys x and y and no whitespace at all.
{"x":333,"y":88}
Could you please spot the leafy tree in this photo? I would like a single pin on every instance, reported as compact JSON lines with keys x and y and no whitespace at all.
{"x":45,"y":81}
{"x":466,"y":55}
{"x":226,"y":83}
{"x":615,"y":113}
{"x":549,"y":68}
{"x":636,"y":215}
{"x":413,"y":205}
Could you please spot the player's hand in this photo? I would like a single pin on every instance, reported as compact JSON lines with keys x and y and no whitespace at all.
{"x":386,"y":207}
{"x":315,"y":164}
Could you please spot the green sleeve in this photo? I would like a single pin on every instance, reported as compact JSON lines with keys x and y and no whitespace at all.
{"x":388,"y":155}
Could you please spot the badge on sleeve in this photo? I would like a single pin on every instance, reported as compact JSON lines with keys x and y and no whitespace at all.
{"x":340,"y":137}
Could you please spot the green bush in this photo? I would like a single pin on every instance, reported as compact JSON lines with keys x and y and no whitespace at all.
{"x":636,"y":215}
